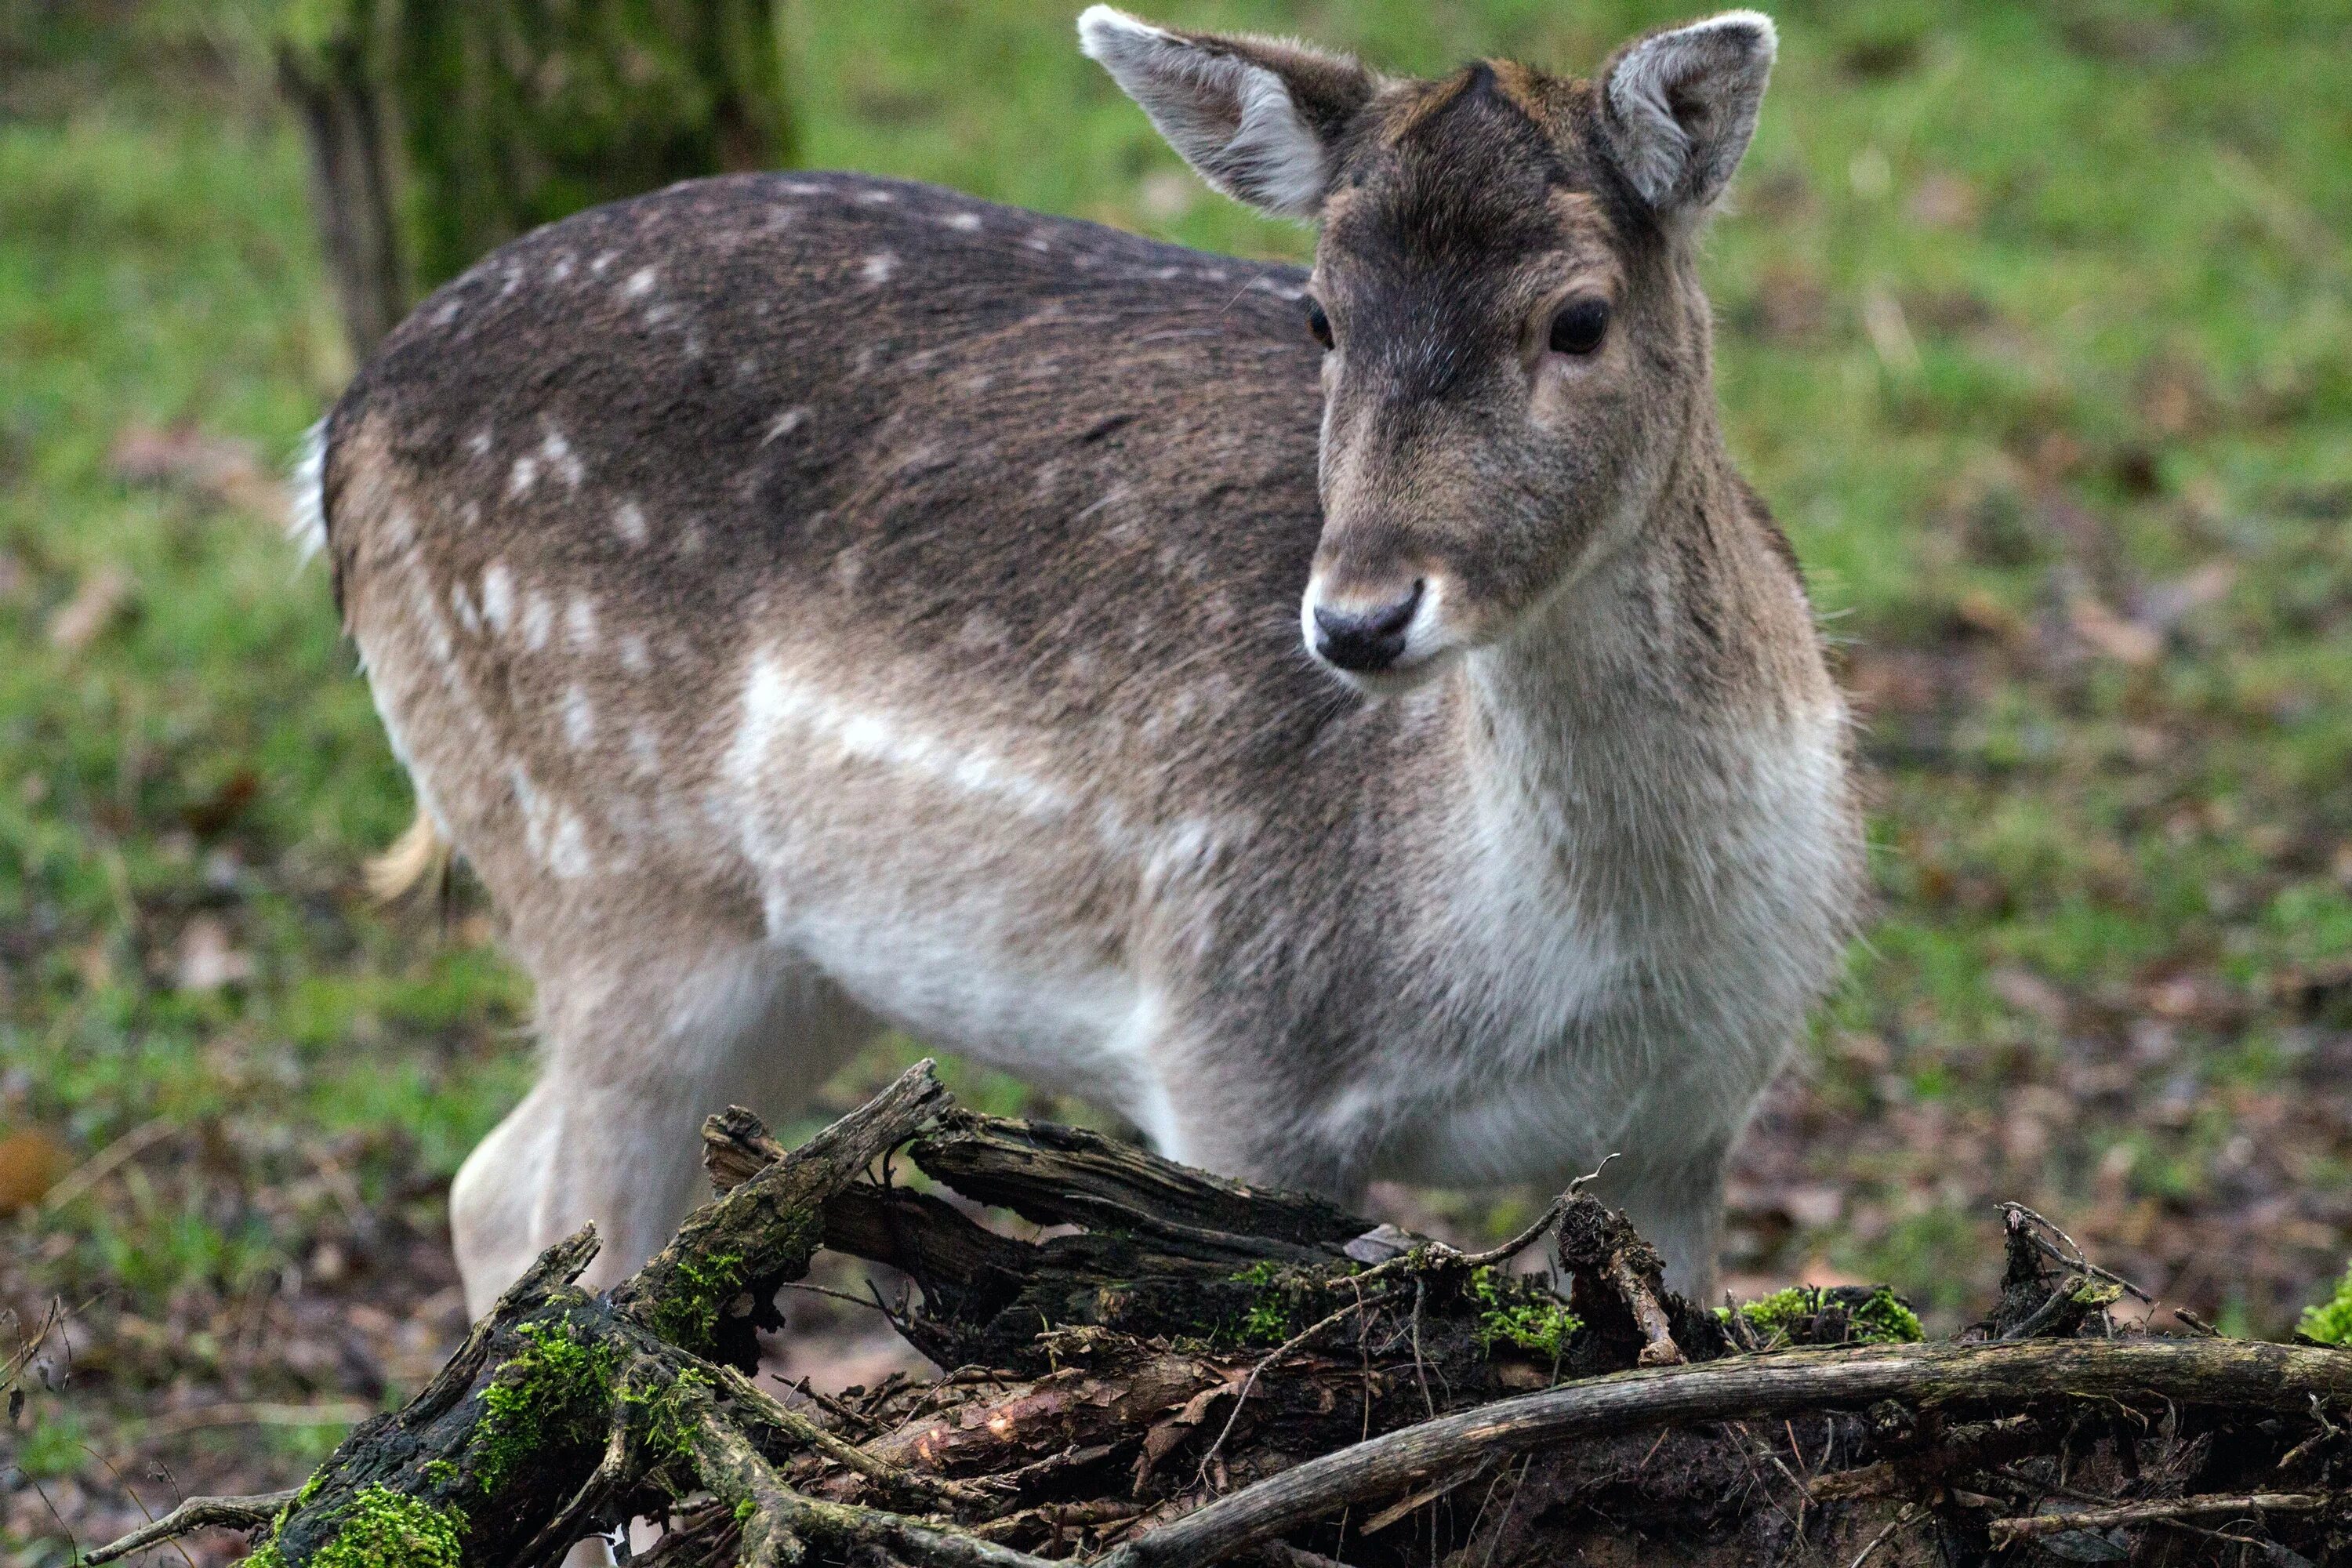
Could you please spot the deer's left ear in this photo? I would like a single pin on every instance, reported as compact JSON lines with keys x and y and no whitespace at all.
{"x":1254,"y":117}
{"x":1679,"y":106}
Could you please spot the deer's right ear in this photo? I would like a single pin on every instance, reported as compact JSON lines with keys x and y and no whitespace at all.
{"x":1680,"y":105}
{"x":1254,"y":117}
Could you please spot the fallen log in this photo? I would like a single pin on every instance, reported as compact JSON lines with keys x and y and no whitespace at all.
{"x":1181,"y":1371}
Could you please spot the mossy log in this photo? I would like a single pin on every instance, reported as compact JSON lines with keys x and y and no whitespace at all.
{"x":1202,"y":1372}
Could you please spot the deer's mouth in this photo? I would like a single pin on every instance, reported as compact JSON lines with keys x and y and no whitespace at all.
{"x":1381,"y":637}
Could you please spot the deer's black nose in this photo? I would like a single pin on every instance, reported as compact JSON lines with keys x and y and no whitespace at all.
{"x":1365,"y":641}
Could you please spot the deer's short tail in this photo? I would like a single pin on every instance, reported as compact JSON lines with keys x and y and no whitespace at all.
{"x":418,"y":855}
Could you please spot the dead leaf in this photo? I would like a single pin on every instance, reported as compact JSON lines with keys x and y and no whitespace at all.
{"x":30,"y":1164}
{"x":2110,"y":636}
{"x":217,"y":467}
{"x":93,"y":608}
{"x":2030,"y":993}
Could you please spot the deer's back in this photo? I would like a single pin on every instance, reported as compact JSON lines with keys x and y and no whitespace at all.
{"x":1016,"y":506}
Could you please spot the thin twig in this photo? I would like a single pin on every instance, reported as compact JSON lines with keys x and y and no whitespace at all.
{"x":765,"y":1407}
{"x":2073,"y":1257}
{"x":106,"y":1162}
{"x":2033,"y":1527}
{"x":2042,"y":1316}
{"x":869,"y":1304}
{"x":197,"y":1513}
{"x":1897,"y":1522}
{"x":1287,"y":1346}
{"x":2271,"y":1377}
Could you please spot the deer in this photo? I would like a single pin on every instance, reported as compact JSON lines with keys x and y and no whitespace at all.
{"x":1354,"y":722}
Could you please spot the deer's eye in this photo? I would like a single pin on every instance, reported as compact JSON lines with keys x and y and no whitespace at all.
{"x":1317,"y":322}
{"x":1579,"y":326}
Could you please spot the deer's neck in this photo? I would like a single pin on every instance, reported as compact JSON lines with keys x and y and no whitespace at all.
{"x":1615,"y":735}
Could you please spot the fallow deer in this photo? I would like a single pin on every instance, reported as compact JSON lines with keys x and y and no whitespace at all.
{"x":1355,"y":723}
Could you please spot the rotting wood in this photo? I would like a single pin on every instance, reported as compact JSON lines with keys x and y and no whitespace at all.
{"x":1204,"y":1372}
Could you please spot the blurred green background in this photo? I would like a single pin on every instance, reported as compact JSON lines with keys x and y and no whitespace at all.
{"x":2036,"y":328}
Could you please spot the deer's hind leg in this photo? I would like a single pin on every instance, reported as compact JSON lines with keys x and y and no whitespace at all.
{"x":639,"y":1042}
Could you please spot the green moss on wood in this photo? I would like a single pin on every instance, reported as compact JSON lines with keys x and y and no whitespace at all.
{"x":696,"y":1292}
{"x":664,"y":1417}
{"x":1521,"y":1312}
{"x":1282,"y":1302}
{"x":381,"y":1529}
{"x":2330,"y":1322}
{"x":1881,"y":1318}
{"x":556,"y":1392}
{"x":386,"y":1529}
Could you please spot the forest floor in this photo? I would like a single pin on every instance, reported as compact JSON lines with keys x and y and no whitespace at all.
{"x":2036,"y":328}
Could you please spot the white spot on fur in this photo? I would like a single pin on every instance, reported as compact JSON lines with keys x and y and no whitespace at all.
{"x":784,"y":424}
{"x":480,"y":443}
{"x":640,"y":283}
{"x":981,"y":631}
{"x":449,"y":311}
{"x":578,"y":717}
{"x":878,"y":268}
{"x":629,"y":521}
{"x":878,"y":198}
{"x":552,"y":832}
{"x":645,"y":747}
{"x":963,"y":222}
{"x":538,"y":620}
{"x":1039,"y":242}
{"x":462,"y":604}
{"x":633,"y":656}
{"x":562,"y":271}
{"x":561,"y":458}
{"x":498,"y":596}
{"x":524,"y":475}
{"x":603,"y":259}
{"x":580,"y":623}
{"x":774,"y":704}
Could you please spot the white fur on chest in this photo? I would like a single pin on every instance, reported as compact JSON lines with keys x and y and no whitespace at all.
{"x":1627,"y":959}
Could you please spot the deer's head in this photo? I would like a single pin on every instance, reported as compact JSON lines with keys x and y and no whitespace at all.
{"x":1514,"y":341}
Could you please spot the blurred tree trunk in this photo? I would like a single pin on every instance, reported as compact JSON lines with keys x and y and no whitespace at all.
{"x":440,"y":129}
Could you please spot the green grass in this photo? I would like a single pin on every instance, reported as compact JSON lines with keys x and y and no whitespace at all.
{"x":2032,"y":316}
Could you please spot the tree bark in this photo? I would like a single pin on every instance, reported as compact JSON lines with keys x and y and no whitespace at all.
{"x":439,"y":129}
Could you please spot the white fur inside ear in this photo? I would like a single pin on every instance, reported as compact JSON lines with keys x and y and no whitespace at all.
{"x":1684,"y":103}
{"x":1234,"y":121}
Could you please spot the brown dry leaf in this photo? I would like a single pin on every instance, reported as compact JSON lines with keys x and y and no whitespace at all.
{"x":215,"y":466}
{"x":2110,"y":636}
{"x":2030,"y":993}
{"x":30,"y":1164}
{"x":93,"y":608}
